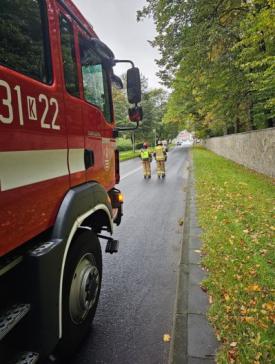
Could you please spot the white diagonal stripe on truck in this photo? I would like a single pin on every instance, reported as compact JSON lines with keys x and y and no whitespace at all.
{"x":23,"y":168}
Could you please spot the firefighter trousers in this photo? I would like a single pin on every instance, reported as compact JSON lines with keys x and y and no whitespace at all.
{"x":161,"y":168}
{"x":146,"y":168}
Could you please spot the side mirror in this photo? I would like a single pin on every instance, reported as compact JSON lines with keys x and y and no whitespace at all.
{"x":135,"y":114}
{"x":133,"y":85}
{"x":117,"y":81}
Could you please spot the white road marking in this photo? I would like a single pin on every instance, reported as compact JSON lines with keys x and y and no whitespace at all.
{"x":130,"y":173}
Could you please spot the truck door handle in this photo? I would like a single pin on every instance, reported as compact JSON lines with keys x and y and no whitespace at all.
{"x":89,"y":158}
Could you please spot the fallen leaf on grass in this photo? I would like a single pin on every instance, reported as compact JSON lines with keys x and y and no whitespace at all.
{"x":269,"y":306}
{"x":253,"y":288}
{"x":228,"y":309}
{"x":262,"y":325}
{"x":197,"y":251}
{"x":226,"y":297}
{"x":243,"y":310}
{"x":248,"y":319}
{"x":232,"y":354}
{"x":258,"y":356}
{"x":233,"y":344}
{"x":238,"y":277}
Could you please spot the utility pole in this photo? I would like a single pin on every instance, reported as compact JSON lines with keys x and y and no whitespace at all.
{"x":134,"y":141}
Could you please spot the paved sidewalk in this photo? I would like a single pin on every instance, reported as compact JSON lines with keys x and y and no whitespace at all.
{"x":193,"y":339}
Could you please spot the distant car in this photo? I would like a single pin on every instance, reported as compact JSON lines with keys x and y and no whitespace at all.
{"x":178,"y":144}
{"x":187,"y":143}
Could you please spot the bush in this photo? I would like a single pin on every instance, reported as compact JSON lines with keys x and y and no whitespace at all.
{"x":124,"y":144}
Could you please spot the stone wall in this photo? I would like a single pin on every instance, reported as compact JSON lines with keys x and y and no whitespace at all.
{"x":255,"y":149}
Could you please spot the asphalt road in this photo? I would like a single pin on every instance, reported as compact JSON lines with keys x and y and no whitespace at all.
{"x":139,"y":282}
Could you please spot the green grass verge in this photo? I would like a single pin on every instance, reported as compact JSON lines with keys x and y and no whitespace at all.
{"x":129,"y":154}
{"x":236,"y":209}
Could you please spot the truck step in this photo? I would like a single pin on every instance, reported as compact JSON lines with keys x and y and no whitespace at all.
{"x":9,"y":263}
{"x":112,"y":246}
{"x":11,"y":317}
{"x":26,"y":358}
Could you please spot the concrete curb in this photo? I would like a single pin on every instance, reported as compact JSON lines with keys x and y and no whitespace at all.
{"x":178,"y":350}
{"x":193,"y":339}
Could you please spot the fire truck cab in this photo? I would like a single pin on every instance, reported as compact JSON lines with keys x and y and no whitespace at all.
{"x":58,"y":169}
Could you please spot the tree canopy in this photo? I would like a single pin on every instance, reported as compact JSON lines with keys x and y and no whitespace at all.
{"x":218,"y":58}
{"x":154,"y":102}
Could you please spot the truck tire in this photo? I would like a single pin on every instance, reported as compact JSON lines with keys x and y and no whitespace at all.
{"x":81,"y":288}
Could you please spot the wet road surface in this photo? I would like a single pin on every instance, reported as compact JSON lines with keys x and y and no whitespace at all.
{"x":139,"y":282}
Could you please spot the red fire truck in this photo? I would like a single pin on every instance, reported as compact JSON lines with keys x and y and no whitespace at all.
{"x":58,"y":169}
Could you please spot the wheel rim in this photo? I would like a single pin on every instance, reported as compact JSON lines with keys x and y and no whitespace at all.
{"x":84,"y":288}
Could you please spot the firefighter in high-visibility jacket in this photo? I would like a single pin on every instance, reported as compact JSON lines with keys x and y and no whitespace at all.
{"x":160,"y":155}
{"x":146,"y":158}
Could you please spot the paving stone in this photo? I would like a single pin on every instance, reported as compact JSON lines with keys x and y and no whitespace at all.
{"x":196,"y":274}
{"x":194,"y":242}
{"x":194,"y":258}
{"x":194,"y":341}
{"x":195,"y":231}
{"x":194,"y":225}
{"x":193,"y":215}
{"x":193,"y":210}
{"x":197,"y":300}
{"x":192,"y":360}
{"x":201,"y":340}
{"x":182,"y":287}
{"x":179,"y":341}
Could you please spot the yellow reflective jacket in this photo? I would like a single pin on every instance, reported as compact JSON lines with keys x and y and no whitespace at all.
{"x":144,"y":154}
{"x":159,"y":152}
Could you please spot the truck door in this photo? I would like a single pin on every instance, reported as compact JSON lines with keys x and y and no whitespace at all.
{"x":33,"y":143}
{"x":98,"y":116}
{"x":72,"y":101}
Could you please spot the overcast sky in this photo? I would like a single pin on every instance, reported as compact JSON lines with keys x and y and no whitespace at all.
{"x":115,"y":23}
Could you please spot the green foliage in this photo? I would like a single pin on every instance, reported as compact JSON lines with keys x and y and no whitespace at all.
{"x":125,"y":155}
{"x":219,"y":59}
{"x":124,"y":144}
{"x":236,"y":213}
{"x":120,"y":107}
{"x":154,"y":106}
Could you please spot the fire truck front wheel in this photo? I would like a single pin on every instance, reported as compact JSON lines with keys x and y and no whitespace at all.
{"x":81,"y":288}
